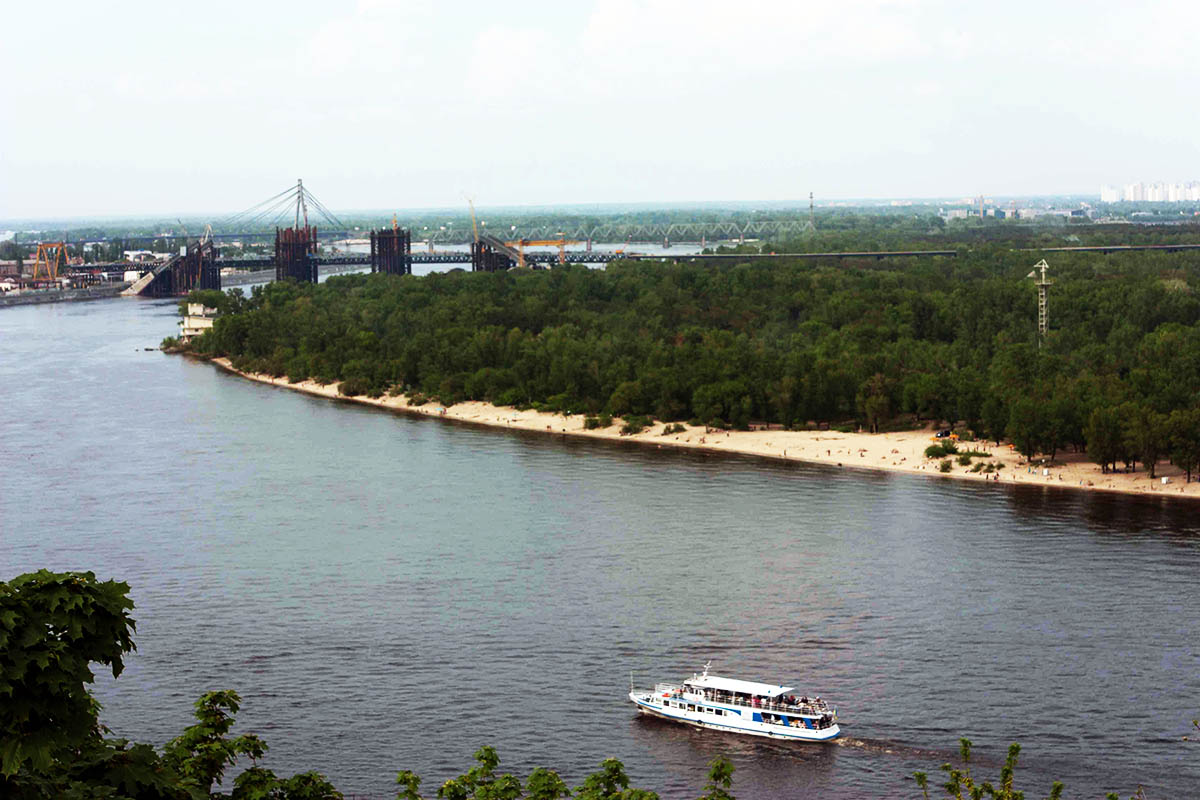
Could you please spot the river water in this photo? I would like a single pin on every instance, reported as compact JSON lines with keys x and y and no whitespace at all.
{"x":391,"y":593}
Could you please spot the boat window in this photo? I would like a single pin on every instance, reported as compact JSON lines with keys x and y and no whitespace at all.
{"x":691,"y":707}
{"x":718,"y":712}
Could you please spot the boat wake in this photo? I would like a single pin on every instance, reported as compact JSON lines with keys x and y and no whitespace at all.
{"x":887,"y":747}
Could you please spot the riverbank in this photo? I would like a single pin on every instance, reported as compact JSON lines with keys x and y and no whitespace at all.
{"x":63,"y":295}
{"x":894,"y":452}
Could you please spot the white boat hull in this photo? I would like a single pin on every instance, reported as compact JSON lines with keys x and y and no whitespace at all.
{"x":729,"y":719}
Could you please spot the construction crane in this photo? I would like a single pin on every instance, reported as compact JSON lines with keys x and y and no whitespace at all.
{"x":561,"y":244}
{"x":474,"y":226}
{"x":52,"y":255}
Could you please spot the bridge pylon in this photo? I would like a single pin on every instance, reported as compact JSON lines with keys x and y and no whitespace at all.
{"x":296,"y":254}
{"x":391,"y":251}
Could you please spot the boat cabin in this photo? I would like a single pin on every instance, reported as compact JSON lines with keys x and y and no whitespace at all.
{"x":767,"y":703}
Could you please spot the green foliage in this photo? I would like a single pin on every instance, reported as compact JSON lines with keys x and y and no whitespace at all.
{"x":223,"y":302}
{"x":673,"y":428}
{"x":720,"y":780}
{"x":52,"y":627}
{"x":353,"y":387}
{"x":945,"y":466}
{"x":961,"y":785}
{"x":482,"y":782}
{"x":941,"y":450}
{"x":964,"y":459}
{"x":598,"y":421}
{"x":203,"y":751}
{"x":876,"y":344}
{"x":635,"y":424}
{"x":611,"y":783}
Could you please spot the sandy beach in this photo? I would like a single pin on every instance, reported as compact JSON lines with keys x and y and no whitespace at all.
{"x":895,"y":452}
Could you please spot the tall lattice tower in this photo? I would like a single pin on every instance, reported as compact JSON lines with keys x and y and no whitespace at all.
{"x":1043,"y":283}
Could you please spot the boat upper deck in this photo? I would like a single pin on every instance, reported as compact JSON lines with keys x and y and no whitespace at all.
{"x":785,"y":703}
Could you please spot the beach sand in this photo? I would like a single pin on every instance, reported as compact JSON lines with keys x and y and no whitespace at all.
{"x":896,"y":452}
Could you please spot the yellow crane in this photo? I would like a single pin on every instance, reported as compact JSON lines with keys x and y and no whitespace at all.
{"x":561,"y":244}
{"x":474,"y":227}
{"x":51,"y":255}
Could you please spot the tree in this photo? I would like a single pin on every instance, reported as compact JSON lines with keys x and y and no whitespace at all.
{"x":1184,"y":439}
{"x":1028,"y":426}
{"x":720,"y":780}
{"x":202,"y":752}
{"x":1105,"y":437}
{"x":873,"y":401}
{"x":611,"y":783}
{"x":53,"y":625}
{"x":994,"y":415}
{"x":961,"y":784}
{"x":1146,"y":434}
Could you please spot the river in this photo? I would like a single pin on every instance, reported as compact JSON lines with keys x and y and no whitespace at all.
{"x":391,"y":593}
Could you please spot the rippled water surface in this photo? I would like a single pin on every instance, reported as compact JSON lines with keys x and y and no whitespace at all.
{"x":391,"y":593}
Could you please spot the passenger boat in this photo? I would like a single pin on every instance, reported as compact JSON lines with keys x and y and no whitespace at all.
{"x":728,"y":704}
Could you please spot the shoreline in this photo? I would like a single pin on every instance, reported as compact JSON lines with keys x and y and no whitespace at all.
{"x":888,"y":452}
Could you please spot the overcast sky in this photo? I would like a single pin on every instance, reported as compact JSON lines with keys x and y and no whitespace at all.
{"x":161,"y":107}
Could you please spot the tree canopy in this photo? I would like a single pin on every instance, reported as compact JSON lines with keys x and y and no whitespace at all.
{"x":894,"y":342}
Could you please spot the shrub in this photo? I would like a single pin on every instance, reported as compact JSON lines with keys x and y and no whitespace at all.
{"x":941,"y":450}
{"x":557,"y":402}
{"x":673,"y":427}
{"x":979,"y":465}
{"x":417,"y":399}
{"x":695,"y":422}
{"x":964,"y":459}
{"x":352,"y":387}
{"x":944,"y":466}
{"x":591,"y":423}
{"x":510,"y":397}
{"x":605,"y":420}
{"x":634,"y":424}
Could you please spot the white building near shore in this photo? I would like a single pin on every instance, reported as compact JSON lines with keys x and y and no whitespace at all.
{"x":199,"y":318}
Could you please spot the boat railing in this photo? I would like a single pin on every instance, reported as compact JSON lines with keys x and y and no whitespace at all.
{"x":814,"y":708}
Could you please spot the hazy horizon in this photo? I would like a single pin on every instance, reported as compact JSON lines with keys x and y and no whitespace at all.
{"x":155,"y":110}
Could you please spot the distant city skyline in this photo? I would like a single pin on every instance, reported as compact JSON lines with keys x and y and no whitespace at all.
{"x":151,"y":108}
{"x":1160,"y":192}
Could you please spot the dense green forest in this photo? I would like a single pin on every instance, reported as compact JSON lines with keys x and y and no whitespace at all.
{"x":879,"y":344}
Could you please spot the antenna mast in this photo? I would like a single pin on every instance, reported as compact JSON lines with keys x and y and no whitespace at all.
{"x":1043,"y":283}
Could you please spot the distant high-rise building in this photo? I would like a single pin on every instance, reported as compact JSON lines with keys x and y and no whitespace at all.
{"x":1157,"y":192}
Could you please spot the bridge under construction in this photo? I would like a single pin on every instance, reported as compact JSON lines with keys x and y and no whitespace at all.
{"x":307,"y":234}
